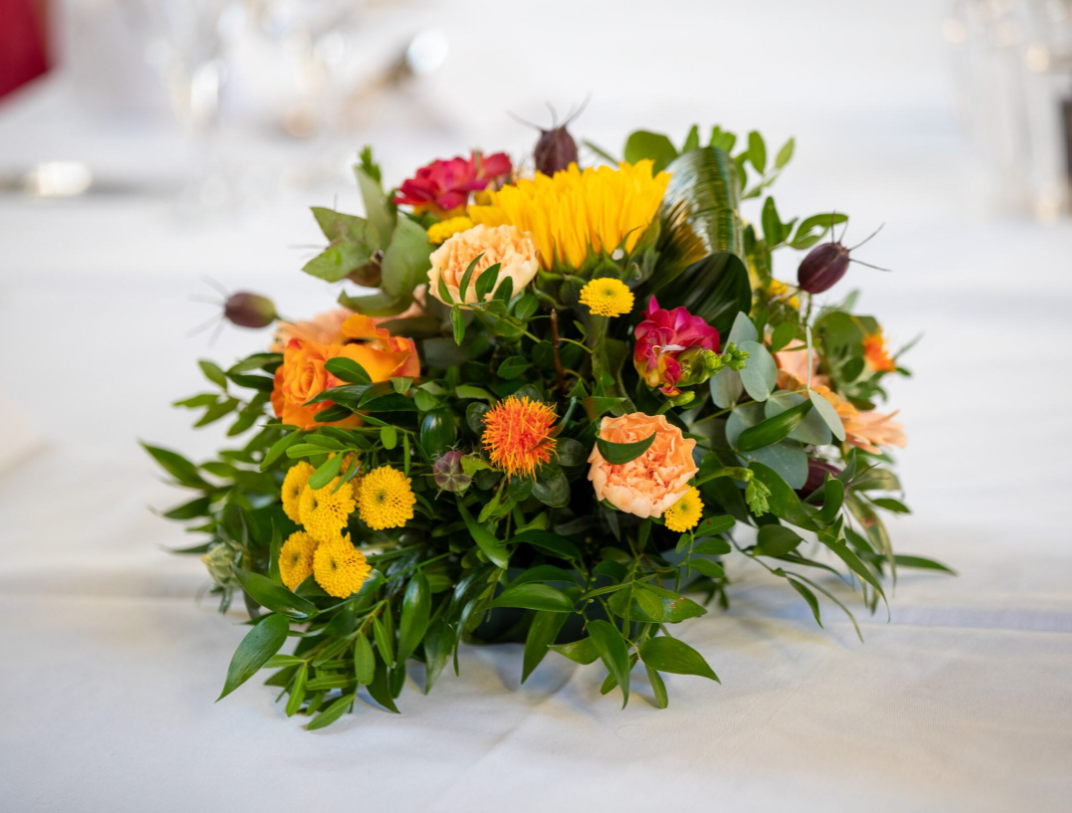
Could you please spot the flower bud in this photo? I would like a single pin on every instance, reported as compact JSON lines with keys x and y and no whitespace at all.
{"x":821,"y":269}
{"x":218,"y":563}
{"x":698,"y":365}
{"x":555,"y":150}
{"x":370,"y":274}
{"x":817,"y":471}
{"x":249,"y":310}
{"x":448,"y":473}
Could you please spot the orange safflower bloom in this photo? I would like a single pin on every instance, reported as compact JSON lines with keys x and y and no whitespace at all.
{"x":302,"y":375}
{"x":517,"y":435}
{"x":876,"y":354}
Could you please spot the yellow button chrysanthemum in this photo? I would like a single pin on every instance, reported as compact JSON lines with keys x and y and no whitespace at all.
{"x":325,"y":511}
{"x":296,"y":559}
{"x":385,"y":499}
{"x":293,"y":486}
{"x":443,"y":231}
{"x":685,"y":513}
{"x":339,"y":568}
{"x":607,"y":296}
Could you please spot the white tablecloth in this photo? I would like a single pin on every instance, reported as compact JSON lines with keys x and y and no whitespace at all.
{"x":963,"y":701}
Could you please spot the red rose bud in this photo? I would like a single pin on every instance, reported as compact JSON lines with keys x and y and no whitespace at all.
{"x":824,"y":266}
{"x":249,"y":310}
{"x":555,"y":150}
{"x":449,"y":474}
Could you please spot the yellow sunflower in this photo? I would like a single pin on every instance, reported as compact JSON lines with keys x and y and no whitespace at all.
{"x":600,"y":209}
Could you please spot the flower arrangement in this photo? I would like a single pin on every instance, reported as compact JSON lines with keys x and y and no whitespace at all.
{"x":566,"y":400}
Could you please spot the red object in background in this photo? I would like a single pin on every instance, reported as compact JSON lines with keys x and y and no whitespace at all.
{"x":23,"y":54}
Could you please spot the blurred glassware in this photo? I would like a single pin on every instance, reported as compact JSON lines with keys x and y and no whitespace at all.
{"x":1014,"y":76}
{"x":185,"y":42}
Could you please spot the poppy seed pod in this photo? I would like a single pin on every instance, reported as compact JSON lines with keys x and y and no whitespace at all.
{"x":249,"y":310}
{"x":555,"y":150}
{"x":824,"y":266}
{"x":449,"y":474}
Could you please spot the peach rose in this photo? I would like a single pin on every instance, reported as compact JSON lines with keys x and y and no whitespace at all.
{"x":507,"y":245}
{"x":651,"y":483}
{"x":302,"y":376}
{"x":326,"y":328}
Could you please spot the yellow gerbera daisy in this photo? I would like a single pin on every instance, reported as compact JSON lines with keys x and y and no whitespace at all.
{"x":600,"y":209}
{"x":324,"y":511}
{"x":441,"y":232}
{"x":293,"y":486}
{"x":296,"y":559}
{"x":685,"y":513}
{"x":607,"y":296}
{"x":385,"y":499}
{"x":339,"y":568}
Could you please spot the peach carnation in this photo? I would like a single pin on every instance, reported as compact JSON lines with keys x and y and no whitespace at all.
{"x":506,"y":245}
{"x":651,"y":483}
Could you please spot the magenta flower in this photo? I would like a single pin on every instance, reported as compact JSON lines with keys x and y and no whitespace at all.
{"x":662,"y":337}
{"x":444,"y":186}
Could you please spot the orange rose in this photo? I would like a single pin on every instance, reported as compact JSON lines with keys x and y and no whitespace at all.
{"x":651,"y":483}
{"x":302,"y":375}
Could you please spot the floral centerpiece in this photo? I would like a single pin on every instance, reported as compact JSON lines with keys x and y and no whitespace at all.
{"x":561,"y":402}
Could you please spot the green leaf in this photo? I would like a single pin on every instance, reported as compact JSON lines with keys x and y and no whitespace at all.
{"x":692,"y":140}
{"x":888,"y":503}
{"x":643,"y":144}
{"x":513,"y":367}
{"x":468,"y":275}
{"x":571,"y":452}
{"x":782,"y":336}
{"x":331,"y":713}
{"x":297,"y":690}
{"x":438,"y":645}
{"x":339,"y":226}
{"x":829,"y":414}
{"x":364,"y":660}
{"x":380,"y":303}
{"x":712,"y":547}
{"x":662,"y":699}
{"x":773,"y":430}
{"x":582,"y":651}
{"x":384,"y":642}
{"x":379,"y":689}
{"x":619,"y":453}
{"x":260,"y":644}
{"x":833,"y":498}
{"x":760,"y":372}
{"x":213,"y":373}
{"x":485,"y":539}
{"x":551,"y":486}
{"x":337,"y":261}
{"x":348,"y":370}
{"x":327,"y":472}
{"x":743,"y":329}
{"x":485,"y":283}
{"x":757,"y":152}
{"x":776,"y":540}
{"x":904,"y":560}
{"x":176,"y":465}
{"x":534,"y":596}
{"x":526,"y":307}
{"x":405,"y":262}
{"x":614,"y":652}
{"x":542,"y":633}
{"x":388,"y":437}
{"x":726,"y":388}
{"x":457,"y":321}
{"x":785,"y":154}
{"x":378,"y":211}
{"x":856,"y":565}
{"x":701,"y":246}
{"x":675,"y":656}
{"x":809,"y":597}
{"x":273,"y":596}
{"x":550,"y":543}
{"x":705,"y":567}
{"x":416,"y":612}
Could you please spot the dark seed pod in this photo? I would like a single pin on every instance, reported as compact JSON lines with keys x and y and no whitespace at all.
{"x":824,"y":266}
{"x":555,"y":150}
{"x":449,"y":474}
{"x":249,"y":310}
{"x":817,"y":471}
